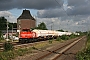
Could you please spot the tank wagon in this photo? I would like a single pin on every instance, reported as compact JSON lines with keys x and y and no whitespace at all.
{"x":26,"y":35}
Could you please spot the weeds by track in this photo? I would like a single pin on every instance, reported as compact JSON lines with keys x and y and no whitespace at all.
{"x":62,"y":49}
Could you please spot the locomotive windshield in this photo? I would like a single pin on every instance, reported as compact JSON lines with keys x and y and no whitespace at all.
{"x":26,"y":30}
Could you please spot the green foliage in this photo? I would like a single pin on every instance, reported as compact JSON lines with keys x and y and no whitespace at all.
{"x":64,"y":37}
{"x":61,"y":30}
{"x":41,"y":26}
{"x":0,"y":34}
{"x":50,"y":41}
{"x":88,"y":36}
{"x":58,"y":39}
{"x":12,"y":24}
{"x":21,"y":52}
{"x":9,"y":55}
{"x":2,"y":23}
{"x":8,"y":46}
{"x":72,"y":36}
{"x":85,"y":55}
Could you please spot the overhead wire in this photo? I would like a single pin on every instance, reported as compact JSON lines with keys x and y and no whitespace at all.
{"x":61,"y":6}
{"x":59,"y":3}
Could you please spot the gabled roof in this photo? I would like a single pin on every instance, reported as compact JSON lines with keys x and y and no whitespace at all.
{"x":26,"y":15}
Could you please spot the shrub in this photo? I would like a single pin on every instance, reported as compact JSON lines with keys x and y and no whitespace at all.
{"x":64,"y":37}
{"x":58,"y":39}
{"x":85,"y":55}
{"x":8,"y":46}
{"x":50,"y":41}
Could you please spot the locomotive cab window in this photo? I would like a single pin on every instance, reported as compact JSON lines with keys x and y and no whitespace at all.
{"x":26,"y":30}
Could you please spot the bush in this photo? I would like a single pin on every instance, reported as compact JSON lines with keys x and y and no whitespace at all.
{"x":8,"y":46}
{"x":64,"y":37}
{"x":58,"y":39}
{"x":50,"y":41}
{"x":74,"y":36}
{"x":85,"y":55}
{"x":9,"y":55}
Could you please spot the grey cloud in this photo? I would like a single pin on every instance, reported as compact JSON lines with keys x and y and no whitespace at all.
{"x":5,"y":0}
{"x":79,"y":10}
{"x":52,"y":7}
{"x":77,"y":2}
{"x":58,"y":12}
{"x":30,"y":4}
{"x":6,"y":4}
{"x":80,"y":7}
{"x":39,"y":4}
{"x":75,"y":18}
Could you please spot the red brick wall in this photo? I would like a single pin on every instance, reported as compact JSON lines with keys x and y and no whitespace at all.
{"x":26,"y":23}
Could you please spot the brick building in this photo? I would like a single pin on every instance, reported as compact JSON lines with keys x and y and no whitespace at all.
{"x":25,"y":20}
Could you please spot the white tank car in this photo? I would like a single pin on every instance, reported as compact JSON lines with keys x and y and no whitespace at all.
{"x":68,"y":33}
{"x":61,"y":33}
{"x":40,"y":33}
{"x":76,"y":33}
{"x":45,"y":33}
{"x":49,"y":33}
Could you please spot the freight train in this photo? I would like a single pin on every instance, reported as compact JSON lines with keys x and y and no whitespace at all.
{"x":27,"y":36}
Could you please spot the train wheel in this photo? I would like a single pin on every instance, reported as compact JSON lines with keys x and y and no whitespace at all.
{"x":30,"y":41}
{"x":22,"y":41}
{"x":35,"y":40}
{"x":26,"y":40}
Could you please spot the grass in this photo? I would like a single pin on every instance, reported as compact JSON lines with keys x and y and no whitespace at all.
{"x":85,"y":54}
{"x":8,"y":55}
{"x":11,"y":54}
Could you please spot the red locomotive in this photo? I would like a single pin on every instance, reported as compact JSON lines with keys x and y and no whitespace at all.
{"x":27,"y":36}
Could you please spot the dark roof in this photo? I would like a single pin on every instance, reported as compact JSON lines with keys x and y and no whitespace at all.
{"x":26,"y":15}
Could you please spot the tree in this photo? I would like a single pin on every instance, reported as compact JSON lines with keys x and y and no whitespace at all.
{"x":42,"y":26}
{"x":12,"y":24}
{"x":0,"y":34}
{"x":61,"y":30}
{"x":3,"y":22}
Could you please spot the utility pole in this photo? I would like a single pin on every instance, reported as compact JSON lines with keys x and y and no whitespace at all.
{"x":51,"y":25}
{"x":19,"y":27}
{"x":12,"y":32}
{"x":7,"y":31}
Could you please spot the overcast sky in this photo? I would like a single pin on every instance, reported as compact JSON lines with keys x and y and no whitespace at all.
{"x":71,"y":15}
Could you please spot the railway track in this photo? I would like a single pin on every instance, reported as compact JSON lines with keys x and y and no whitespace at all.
{"x":2,"y":45}
{"x":18,"y":45}
{"x":49,"y":54}
{"x":56,"y":53}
